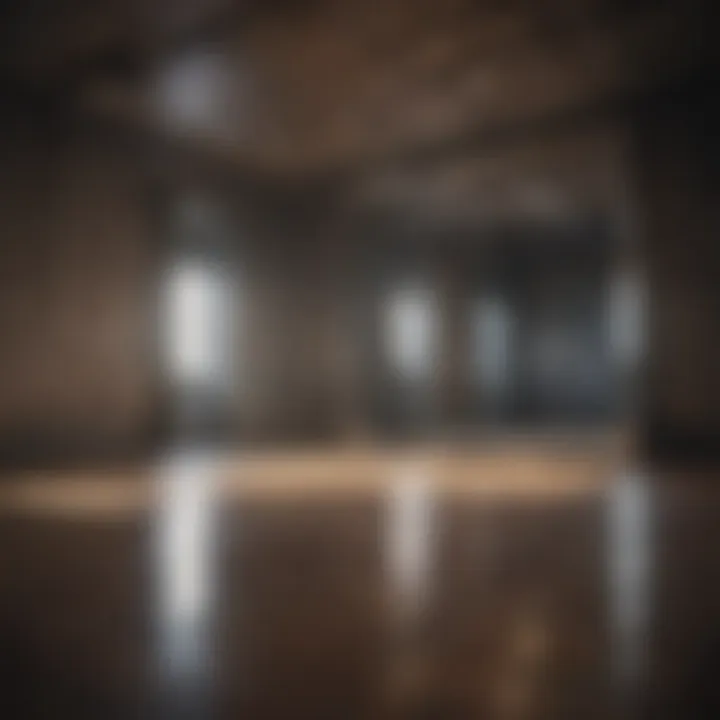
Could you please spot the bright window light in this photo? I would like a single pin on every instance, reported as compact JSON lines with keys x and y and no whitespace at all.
{"x":185,"y":543}
{"x":196,"y":314}
{"x":411,"y":329}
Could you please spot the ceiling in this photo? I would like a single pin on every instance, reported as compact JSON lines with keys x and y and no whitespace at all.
{"x":303,"y":86}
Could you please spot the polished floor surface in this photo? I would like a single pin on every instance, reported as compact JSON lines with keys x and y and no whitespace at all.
{"x":510,"y":584}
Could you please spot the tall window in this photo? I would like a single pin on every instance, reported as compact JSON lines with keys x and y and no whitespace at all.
{"x":197,"y":316}
{"x":627,"y":320}
{"x":411,"y":333}
{"x":491,"y":338}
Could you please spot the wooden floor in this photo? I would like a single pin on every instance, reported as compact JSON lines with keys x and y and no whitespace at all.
{"x":514,"y":582}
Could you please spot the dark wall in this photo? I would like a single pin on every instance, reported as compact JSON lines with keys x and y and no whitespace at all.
{"x":79,"y":278}
{"x":679,"y":173}
{"x":285,"y":310}
{"x":76,"y":356}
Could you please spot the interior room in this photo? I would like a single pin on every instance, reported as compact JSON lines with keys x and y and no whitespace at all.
{"x":358,"y":359}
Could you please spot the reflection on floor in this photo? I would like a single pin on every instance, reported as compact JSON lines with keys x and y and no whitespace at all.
{"x":534,"y":583}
